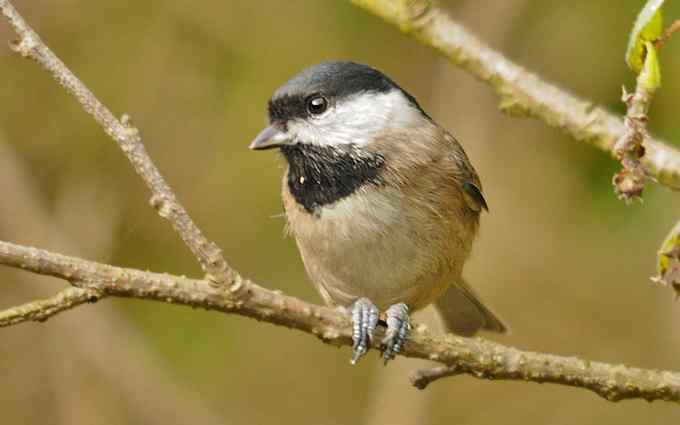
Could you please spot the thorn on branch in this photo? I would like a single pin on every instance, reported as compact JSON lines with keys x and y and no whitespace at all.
{"x":161,"y":205}
{"x":25,"y":45}
{"x":126,"y":121}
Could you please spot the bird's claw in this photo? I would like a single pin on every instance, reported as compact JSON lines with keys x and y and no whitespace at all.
{"x":365,"y":316}
{"x":398,"y":328}
{"x":364,"y":321}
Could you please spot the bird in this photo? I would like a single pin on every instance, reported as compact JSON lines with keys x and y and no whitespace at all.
{"x":382,"y":201}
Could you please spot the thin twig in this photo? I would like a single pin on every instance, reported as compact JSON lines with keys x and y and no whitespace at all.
{"x":629,"y":182}
{"x":474,"y":356}
{"x":29,"y":45}
{"x":522,"y":93}
{"x":421,"y":378}
{"x":668,"y":32}
{"x":613,"y":382}
{"x":41,"y":310}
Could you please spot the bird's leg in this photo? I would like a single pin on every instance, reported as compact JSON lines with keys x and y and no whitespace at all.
{"x":364,"y":321}
{"x":398,"y":328}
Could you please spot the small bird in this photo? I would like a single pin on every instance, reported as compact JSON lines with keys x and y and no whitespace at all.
{"x":383,"y":202}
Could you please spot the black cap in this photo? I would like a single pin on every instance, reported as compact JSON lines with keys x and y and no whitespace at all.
{"x":335,"y":81}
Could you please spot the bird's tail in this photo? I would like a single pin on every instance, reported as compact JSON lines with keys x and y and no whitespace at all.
{"x":464,"y":314}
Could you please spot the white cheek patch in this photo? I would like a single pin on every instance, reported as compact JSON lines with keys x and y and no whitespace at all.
{"x":357,"y":119}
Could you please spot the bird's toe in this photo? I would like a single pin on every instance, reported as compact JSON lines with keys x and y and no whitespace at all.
{"x":364,"y":321}
{"x":398,"y":327}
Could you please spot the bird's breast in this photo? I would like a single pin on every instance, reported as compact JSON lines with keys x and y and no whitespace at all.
{"x":377,"y":244}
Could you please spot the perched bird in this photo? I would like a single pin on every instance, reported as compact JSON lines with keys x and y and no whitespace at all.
{"x":382,"y":201}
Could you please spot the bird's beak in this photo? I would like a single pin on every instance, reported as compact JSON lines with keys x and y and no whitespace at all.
{"x":270,"y":137}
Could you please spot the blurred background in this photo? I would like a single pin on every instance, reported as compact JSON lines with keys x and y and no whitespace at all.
{"x":559,"y":257}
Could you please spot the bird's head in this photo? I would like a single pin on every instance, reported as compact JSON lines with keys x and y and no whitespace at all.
{"x":334,"y":104}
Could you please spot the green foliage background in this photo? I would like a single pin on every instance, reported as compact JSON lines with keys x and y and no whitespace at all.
{"x":562,"y":260}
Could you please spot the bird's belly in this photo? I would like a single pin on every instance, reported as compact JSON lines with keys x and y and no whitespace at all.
{"x":362,"y":270}
{"x":349,"y":253}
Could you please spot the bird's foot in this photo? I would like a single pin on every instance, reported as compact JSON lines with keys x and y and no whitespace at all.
{"x":364,"y":321}
{"x":398,"y":327}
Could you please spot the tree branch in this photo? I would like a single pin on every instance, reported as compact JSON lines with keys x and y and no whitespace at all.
{"x":642,"y":58}
{"x":630,"y":148}
{"x":29,"y":45}
{"x":41,"y":310}
{"x":477,"y":357}
{"x":613,"y":382}
{"x":667,"y":34}
{"x":522,"y":93}
{"x":474,"y":356}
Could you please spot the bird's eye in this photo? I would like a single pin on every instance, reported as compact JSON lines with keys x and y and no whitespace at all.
{"x":317,"y":104}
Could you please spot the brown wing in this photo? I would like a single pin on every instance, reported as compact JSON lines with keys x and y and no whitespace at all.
{"x":470,"y":183}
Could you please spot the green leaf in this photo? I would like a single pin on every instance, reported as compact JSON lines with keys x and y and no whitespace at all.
{"x":648,"y":27}
{"x":668,"y":265}
{"x":650,"y":77}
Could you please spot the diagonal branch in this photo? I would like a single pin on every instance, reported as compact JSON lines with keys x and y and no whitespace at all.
{"x":41,"y":310}
{"x":522,"y":93}
{"x":473,"y":356}
{"x":667,"y":34}
{"x":29,"y":45}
